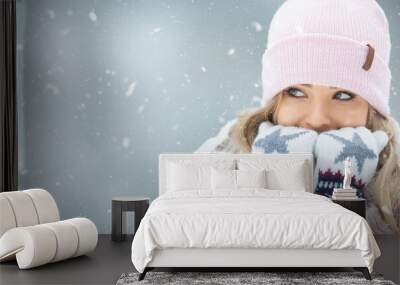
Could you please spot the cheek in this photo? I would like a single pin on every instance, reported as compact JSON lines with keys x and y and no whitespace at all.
{"x":353,"y":114}
{"x":289,"y":115}
{"x":351,"y":117}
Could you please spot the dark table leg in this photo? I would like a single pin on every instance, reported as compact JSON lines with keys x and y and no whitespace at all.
{"x":117,"y":222}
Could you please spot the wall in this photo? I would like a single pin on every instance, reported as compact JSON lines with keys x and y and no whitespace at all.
{"x":105,"y":86}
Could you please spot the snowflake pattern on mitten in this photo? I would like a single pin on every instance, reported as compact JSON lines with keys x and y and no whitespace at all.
{"x":333,"y":147}
{"x":328,"y":180}
{"x":282,"y":139}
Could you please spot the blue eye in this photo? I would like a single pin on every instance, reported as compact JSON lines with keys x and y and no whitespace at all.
{"x":346,"y":96}
{"x":294,"y":92}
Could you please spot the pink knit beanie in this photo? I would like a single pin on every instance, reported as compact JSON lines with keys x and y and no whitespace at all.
{"x":340,"y":43}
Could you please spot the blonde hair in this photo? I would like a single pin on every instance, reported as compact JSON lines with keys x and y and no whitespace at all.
{"x":386,"y":181}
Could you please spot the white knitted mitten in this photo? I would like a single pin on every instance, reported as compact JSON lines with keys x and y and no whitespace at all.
{"x":283,"y":139}
{"x":332,"y":148}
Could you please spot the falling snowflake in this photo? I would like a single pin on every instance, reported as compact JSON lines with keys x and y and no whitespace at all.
{"x":53,"y":88}
{"x":92,"y":16}
{"x":126,"y":142}
{"x":64,"y":32}
{"x":51,"y":13}
{"x":140,"y":109}
{"x":81,"y":107}
{"x":394,"y":91}
{"x":256,"y":99}
{"x":203,"y":69}
{"x":155,"y":30}
{"x":188,"y":80}
{"x":257,"y":26}
{"x":131,"y":89}
{"x":231,"y":51}
{"x":250,"y":51}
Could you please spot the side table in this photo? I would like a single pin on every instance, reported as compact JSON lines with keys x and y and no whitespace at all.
{"x":357,"y":206}
{"x":119,"y":206}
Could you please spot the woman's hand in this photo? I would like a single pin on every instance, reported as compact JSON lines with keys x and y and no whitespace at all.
{"x":282,"y":139}
{"x":332,"y":148}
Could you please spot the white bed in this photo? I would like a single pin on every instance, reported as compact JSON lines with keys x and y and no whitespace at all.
{"x":282,"y":226}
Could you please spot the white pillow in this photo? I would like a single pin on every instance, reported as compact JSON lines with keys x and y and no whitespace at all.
{"x":293,"y":180}
{"x":237,"y":179}
{"x":187,"y":177}
{"x":281,"y":174}
{"x":251,"y":178}
{"x":223,"y":179}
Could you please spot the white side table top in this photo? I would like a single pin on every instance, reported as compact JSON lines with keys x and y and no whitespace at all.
{"x":130,"y":198}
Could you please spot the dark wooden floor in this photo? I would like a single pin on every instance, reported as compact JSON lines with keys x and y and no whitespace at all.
{"x":110,"y":259}
{"x":103,"y":266}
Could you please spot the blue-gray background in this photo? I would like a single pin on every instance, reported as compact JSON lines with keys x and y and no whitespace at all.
{"x":105,"y":86}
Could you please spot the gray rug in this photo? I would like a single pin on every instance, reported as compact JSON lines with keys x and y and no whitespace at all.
{"x":225,"y":278}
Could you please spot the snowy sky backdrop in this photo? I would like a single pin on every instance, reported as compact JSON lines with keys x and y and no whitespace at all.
{"x":105,"y":86}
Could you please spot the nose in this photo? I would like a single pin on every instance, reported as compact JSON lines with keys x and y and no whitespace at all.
{"x":318,"y":119}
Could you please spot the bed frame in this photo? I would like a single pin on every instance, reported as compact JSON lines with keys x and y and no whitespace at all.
{"x":247,"y":259}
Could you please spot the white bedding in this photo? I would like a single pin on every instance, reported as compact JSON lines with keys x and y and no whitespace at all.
{"x":250,"y":218}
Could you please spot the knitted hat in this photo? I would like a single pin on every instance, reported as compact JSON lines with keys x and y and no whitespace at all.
{"x":340,"y":43}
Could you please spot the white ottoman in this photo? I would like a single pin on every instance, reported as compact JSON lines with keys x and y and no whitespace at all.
{"x":31,"y":232}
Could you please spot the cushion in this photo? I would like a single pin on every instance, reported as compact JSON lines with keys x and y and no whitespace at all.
{"x":40,"y":244}
{"x":7,"y":220}
{"x":188,"y":177}
{"x":290,"y":174}
{"x":237,"y":179}
{"x":223,"y":179}
{"x":293,"y":181}
{"x":251,"y":178}
{"x":23,"y":208}
{"x":187,"y":174}
{"x":46,"y":207}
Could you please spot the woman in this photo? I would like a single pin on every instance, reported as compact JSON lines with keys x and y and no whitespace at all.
{"x":326,"y":67}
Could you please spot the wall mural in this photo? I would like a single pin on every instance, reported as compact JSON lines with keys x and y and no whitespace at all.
{"x":105,"y":86}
